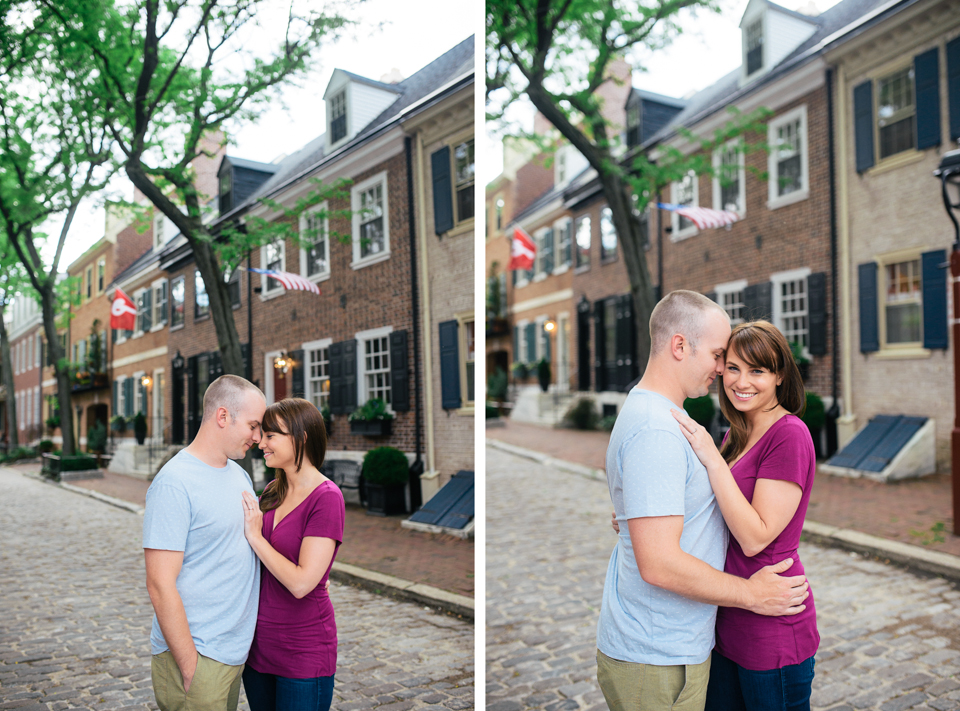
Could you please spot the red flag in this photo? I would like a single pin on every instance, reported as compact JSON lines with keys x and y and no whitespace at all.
{"x":522,"y":250}
{"x":123,"y":313}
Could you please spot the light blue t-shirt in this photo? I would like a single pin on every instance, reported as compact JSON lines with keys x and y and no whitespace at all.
{"x":653,"y":471}
{"x":198,"y":509}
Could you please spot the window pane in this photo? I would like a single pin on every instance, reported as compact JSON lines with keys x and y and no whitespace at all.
{"x":583,"y":241}
{"x":377,"y":368}
{"x":317,"y":252}
{"x":201,"y":300}
{"x":371,"y":225}
{"x":177,"y":296}
{"x":903,"y":323}
{"x":793,"y":310}
{"x":685,"y":197}
{"x":608,"y":235}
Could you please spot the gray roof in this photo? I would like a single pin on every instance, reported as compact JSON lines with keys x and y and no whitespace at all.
{"x":371,"y":82}
{"x":841,"y":16}
{"x":251,"y":164}
{"x":441,"y":71}
{"x":659,"y":98}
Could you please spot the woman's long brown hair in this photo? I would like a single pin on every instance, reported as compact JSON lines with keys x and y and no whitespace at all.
{"x":301,"y":420}
{"x":760,"y":344}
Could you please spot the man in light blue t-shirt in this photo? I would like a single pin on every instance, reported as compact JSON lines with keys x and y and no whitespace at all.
{"x":202,"y":575}
{"x":665,"y":580}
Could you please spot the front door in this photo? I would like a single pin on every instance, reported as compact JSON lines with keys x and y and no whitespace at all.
{"x":279,"y":384}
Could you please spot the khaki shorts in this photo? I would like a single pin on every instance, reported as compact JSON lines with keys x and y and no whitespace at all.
{"x":215,"y":686}
{"x":628,"y":686}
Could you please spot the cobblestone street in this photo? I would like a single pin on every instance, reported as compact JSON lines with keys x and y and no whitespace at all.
{"x":74,"y":630}
{"x":890,"y":639}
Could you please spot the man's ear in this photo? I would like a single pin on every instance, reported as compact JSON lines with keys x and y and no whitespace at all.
{"x":223,"y":417}
{"x":678,"y":346}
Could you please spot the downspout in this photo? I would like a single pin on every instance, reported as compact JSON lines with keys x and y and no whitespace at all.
{"x":416,"y":497}
{"x":427,"y":342}
{"x":846,"y":425}
{"x":659,"y":249}
{"x":834,"y":412}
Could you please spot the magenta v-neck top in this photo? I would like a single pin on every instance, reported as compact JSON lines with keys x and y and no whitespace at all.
{"x":753,"y":641}
{"x":295,"y":638}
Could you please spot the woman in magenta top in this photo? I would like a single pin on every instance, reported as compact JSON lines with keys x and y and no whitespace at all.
{"x":762,"y":478}
{"x":296,"y":531}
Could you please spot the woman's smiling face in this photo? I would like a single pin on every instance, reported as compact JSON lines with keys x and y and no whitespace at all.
{"x":278,"y":450}
{"x":749,"y":388}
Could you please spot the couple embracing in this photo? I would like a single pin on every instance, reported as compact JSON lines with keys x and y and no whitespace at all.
{"x":205,"y":535}
{"x":662,"y":642}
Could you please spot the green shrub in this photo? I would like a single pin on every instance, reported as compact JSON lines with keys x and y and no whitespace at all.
{"x":52,"y":422}
{"x":497,"y":385}
{"x":140,"y":426}
{"x":386,"y":466}
{"x":20,"y":453}
{"x":814,"y":415}
{"x":45,"y":445}
{"x":583,"y":415}
{"x":607,"y":423}
{"x":76,"y":463}
{"x":372,"y":409}
{"x":97,"y":438}
{"x":118,"y":423}
{"x":701,"y":409}
{"x":492,"y":411}
{"x":520,"y":371}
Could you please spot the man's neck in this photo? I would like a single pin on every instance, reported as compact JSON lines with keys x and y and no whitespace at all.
{"x":204,"y":450}
{"x":656,"y":381}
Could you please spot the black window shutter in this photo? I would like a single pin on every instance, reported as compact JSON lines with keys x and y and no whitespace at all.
{"x":531,"y":343}
{"x":143,"y":395}
{"x":349,"y":371}
{"x":194,"y":410}
{"x":863,"y":124}
{"x":399,"y":372}
{"x":336,"y":378}
{"x":449,"y":366}
{"x":817,"y":305}
{"x":758,"y":302}
{"x":953,"y":86}
{"x":245,"y":355}
{"x":442,"y":191}
{"x":599,"y":345}
{"x":583,"y":345}
{"x":516,"y":343}
{"x":296,"y":377}
{"x":115,"y":384}
{"x":625,"y":341}
{"x":926,"y":72}
{"x":869,"y":314}
{"x":128,"y":397}
{"x":934,"y":299}
{"x":712,"y":295}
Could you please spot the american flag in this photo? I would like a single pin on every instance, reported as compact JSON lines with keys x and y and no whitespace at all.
{"x":288,"y":280}
{"x":702,"y":217}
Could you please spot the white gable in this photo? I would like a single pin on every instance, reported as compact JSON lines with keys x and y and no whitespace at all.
{"x":364,"y":102}
{"x":782,"y":32}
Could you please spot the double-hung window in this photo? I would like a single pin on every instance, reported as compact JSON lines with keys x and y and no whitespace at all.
{"x":89,"y":285}
{"x":374,"y":356}
{"x":730,"y":297}
{"x":273,"y":257}
{"x":233,"y":277}
{"x":791,"y":305}
{"x":608,"y":236}
{"x":201,"y":300}
{"x":160,"y":299}
{"x":338,"y":117}
{"x":315,"y":241}
{"x":583,"y":237}
{"x":902,"y":303}
{"x":317,"y":355}
{"x":464,"y":169}
{"x":101,"y":274}
{"x":729,"y":179}
{"x":467,"y":361}
{"x":545,"y":257}
{"x":896,"y":112}
{"x":177,"y":297}
{"x":144,"y":300}
{"x":787,"y":160}
{"x":754,"y":46}
{"x":371,"y":224}
{"x":685,"y":192}
{"x":564,"y":240}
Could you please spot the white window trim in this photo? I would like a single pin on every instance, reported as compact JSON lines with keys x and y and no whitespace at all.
{"x":121,"y":397}
{"x":360,"y":337}
{"x":914,"y":349}
{"x":558,"y":227}
{"x":268,"y":358}
{"x":539,"y":275}
{"x":730,"y":287}
{"x":37,"y":348}
{"x":322,"y":276}
{"x":522,"y":341}
{"x":741,"y":177}
{"x":156,"y":413}
{"x":776,"y":280}
{"x":136,"y":391}
{"x":676,"y":233}
{"x":467,"y":407}
{"x":266,"y":295}
{"x":743,"y":47}
{"x":154,"y":306}
{"x":355,"y":192}
{"x":136,"y":302}
{"x":329,"y":113}
{"x":102,"y":261}
{"x":539,"y":335}
{"x":775,"y":201}
{"x":183,"y":323}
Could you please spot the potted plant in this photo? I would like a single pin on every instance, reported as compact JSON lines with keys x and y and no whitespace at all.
{"x":327,"y":418}
{"x":385,"y":475}
{"x":803,"y":363}
{"x":543,"y":374}
{"x":140,"y":427}
{"x":519,"y":370}
{"x":582,"y":415}
{"x":53,"y":422}
{"x":372,"y":419}
{"x":118,"y":423}
{"x":814,"y":417}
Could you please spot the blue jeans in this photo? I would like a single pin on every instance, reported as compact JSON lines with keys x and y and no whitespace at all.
{"x":268,"y":692}
{"x":733,"y":688}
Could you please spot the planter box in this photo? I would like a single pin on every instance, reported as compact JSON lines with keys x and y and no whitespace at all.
{"x":385,"y":500}
{"x":371,"y":428}
{"x":52,"y":469}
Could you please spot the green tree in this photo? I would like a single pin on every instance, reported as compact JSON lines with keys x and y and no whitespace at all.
{"x":175,"y":73}
{"x":557,"y":53}
{"x":55,"y":152}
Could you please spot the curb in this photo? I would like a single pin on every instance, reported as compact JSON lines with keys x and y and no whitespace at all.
{"x":905,"y":554}
{"x":342,"y":572}
{"x":406,"y":589}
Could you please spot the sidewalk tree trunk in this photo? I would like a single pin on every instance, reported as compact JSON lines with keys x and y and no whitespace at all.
{"x":172,"y":91}
{"x":55,"y":152}
{"x":558,"y":53}
{"x":13,"y":436}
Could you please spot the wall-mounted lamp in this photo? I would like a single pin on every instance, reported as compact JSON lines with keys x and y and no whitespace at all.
{"x":549,"y":325}
{"x":282,"y":362}
{"x":146,"y":381}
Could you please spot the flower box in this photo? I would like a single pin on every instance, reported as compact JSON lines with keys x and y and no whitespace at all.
{"x":371,"y":428}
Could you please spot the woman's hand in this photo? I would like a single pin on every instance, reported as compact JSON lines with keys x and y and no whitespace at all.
{"x":252,"y":518}
{"x":614,"y":524}
{"x":699,"y":438}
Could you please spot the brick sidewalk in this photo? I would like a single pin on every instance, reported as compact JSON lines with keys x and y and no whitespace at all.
{"x":915,"y":511}
{"x":371,"y":542}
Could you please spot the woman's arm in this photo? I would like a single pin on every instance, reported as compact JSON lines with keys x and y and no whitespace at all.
{"x":754,"y":524}
{"x":299,"y":578}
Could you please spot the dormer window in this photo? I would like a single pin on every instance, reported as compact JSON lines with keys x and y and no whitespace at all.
{"x":226,"y":186}
{"x":338,"y":117}
{"x":754,"y":42}
{"x":633,"y":122}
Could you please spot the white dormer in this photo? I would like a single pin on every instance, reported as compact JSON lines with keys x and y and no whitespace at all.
{"x":769,"y":33}
{"x":352,"y":102}
{"x":568,"y":163}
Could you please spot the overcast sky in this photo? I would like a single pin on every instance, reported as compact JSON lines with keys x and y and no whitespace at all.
{"x":708,"y":49}
{"x":412,"y":35}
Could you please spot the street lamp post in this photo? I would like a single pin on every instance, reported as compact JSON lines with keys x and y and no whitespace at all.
{"x":949,"y":174}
